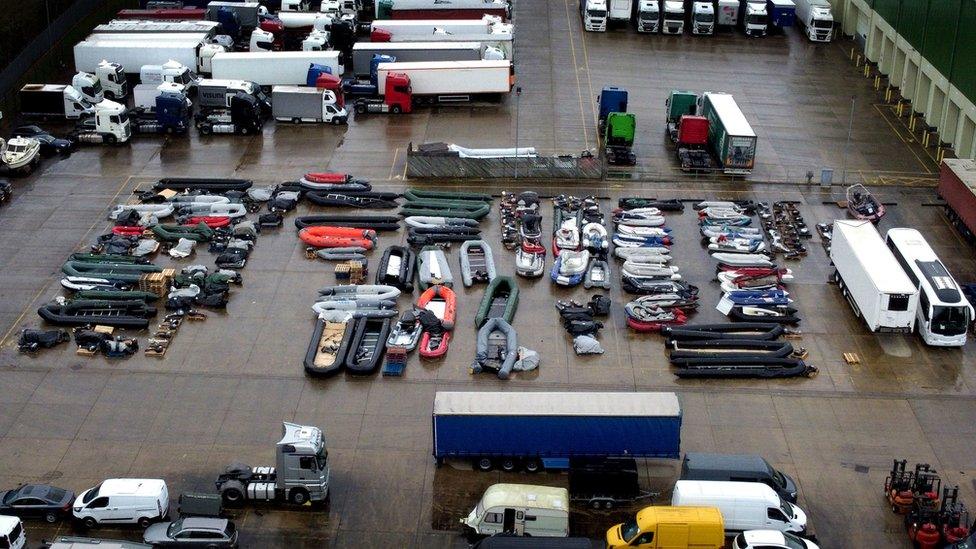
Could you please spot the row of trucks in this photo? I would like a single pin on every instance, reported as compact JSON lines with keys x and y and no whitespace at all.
{"x":710,"y":132}
{"x":704,"y":17}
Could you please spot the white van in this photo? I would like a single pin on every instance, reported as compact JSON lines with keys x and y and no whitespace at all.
{"x":744,"y":505}
{"x":522,"y":510}
{"x":123,"y":501}
{"x":12,"y":533}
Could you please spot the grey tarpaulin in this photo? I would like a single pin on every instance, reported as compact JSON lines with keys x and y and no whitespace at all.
{"x":145,"y":247}
{"x":528,"y":360}
{"x":508,"y":354}
{"x":183,"y":248}
{"x":260,"y":194}
{"x":587,"y":345}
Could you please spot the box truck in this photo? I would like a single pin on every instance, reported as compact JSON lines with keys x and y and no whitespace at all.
{"x":957,"y":181}
{"x":727,"y":13}
{"x":303,"y":104}
{"x":47,"y":101}
{"x":729,"y":134}
{"x":871,"y":279}
{"x":277,"y":68}
{"x":133,"y":54}
{"x":543,"y":430}
{"x":816,"y":18}
{"x":412,"y":52}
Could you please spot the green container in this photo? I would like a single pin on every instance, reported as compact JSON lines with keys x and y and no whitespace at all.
{"x":681,"y":103}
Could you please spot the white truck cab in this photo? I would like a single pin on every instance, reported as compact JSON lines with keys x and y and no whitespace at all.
{"x":12,"y":533}
{"x":594,"y":14}
{"x":170,"y":72}
{"x":648,"y":16}
{"x":674,"y":17}
{"x":703,"y":18}
{"x":317,"y":40}
{"x":816,"y":18}
{"x":294,"y":5}
{"x":522,"y":509}
{"x":261,"y":40}
{"x":205,"y":57}
{"x":89,"y":86}
{"x":755,"y":20}
{"x":108,"y":80}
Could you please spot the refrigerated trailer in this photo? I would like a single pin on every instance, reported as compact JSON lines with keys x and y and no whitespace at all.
{"x":500,"y":39}
{"x":412,"y":52}
{"x":451,"y":81}
{"x":542,"y":430}
{"x":440,"y":9}
{"x":276,"y":68}
{"x":422,"y":27}
{"x":729,"y":134}
{"x":133,"y":54}
{"x":871,"y":279}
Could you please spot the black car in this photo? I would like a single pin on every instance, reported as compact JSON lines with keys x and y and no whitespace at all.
{"x":37,"y":501}
{"x":50,"y":145}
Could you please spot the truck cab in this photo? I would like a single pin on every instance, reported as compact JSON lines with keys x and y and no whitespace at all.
{"x":594,"y":14}
{"x":618,"y":138}
{"x":674,"y":17}
{"x":108,"y":80}
{"x":611,"y":99}
{"x":754,"y":19}
{"x":172,"y":72}
{"x":703,"y":18}
{"x":397,"y":96}
{"x":295,"y":5}
{"x":112,"y":118}
{"x":261,"y":40}
{"x":317,"y":40}
{"x":88,"y":85}
{"x":817,"y":20}
{"x":648,"y":16}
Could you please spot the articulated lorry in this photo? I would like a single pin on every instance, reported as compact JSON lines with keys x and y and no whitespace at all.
{"x":133,"y":53}
{"x":871,"y":279}
{"x":109,"y":125}
{"x":300,"y":475}
{"x":108,"y":80}
{"x":417,"y":52}
{"x":49,"y":101}
{"x":435,"y":9}
{"x":688,"y":131}
{"x":496,"y":44}
{"x":729,"y":134}
{"x":816,"y":18}
{"x":279,"y":68}
{"x":594,"y":14}
{"x":242,"y":117}
{"x":400,"y":86}
{"x":542,"y":430}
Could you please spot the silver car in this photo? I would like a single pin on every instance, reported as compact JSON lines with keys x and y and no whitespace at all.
{"x":211,"y":533}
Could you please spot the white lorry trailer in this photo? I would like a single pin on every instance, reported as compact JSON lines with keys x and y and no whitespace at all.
{"x":649,"y":16}
{"x":727,"y":13}
{"x":304,"y":104}
{"x":277,"y":68}
{"x":424,"y":27}
{"x":871,"y":279}
{"x":413,"y":52}
{"x":141,"y":26}
{"x":133,"y":54}
{"x":500,"y":38}
{"x":816,"y":18}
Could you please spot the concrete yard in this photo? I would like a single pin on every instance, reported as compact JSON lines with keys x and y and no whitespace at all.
{"x":223,"y":388}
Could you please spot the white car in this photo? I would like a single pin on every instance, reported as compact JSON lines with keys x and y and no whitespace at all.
{"x":771,"y":539}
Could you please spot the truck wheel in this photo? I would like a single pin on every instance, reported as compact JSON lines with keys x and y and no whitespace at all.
{"x":395,"y":109}
{"x":244,"y":130}
{"x":296,"y":120}
{"x":110,"y":139}
{"x":360,"y":108}
{"x":90,"y":522}
{"x":508,"y":464}
{"x":532,"y":466}
{"x":232,"y":496}
{"x":299,"y":496}
{"x":144,"y":522}
{"x":336,"y":121}
{"x":205,"y":130}
{"x":483,"y":464}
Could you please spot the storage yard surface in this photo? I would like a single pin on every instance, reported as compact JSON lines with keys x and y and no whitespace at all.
{"x":226,"y":383}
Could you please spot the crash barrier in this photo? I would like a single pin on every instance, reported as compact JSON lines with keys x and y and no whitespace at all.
{"x":47,"y":58}
{"x":436,"y":160}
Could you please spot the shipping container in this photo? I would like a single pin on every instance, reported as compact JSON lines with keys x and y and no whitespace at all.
{"x":536,"y":430}
{"x":729,"y":134}
{"x":957,"y":186}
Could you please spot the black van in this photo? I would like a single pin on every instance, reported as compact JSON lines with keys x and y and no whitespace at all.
{"x":737,"y":468}
{"x":503,"y":541}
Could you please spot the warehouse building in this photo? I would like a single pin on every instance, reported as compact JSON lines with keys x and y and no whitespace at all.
{"x":925,"y":48}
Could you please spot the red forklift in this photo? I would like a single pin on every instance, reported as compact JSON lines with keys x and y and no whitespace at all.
{"x":907,"y":490}
{"x":933,"y":528}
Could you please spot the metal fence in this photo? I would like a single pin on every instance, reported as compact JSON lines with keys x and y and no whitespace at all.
{"x":50,"y":57}
{"x":421,"y":165}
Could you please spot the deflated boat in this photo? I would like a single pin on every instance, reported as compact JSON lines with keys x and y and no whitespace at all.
{"x":570,"y":267}
{"x":732,"y":330}
{"x":497,"y":348}
{"x":597,"y":275}
{"x":80,"y":312}
{"x":329,"y":346}
{"x":397,"y":268}
{"x":406,"y":333}
{"x":499,"y":301}
{"x":746,"y":367}
{"x":367,"y":345}
{"x":716,"y":348}
{"x":477,"y":262}
{"x":433,"y":269}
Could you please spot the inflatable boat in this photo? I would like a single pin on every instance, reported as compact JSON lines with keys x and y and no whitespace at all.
{"x":499,"y":300}
{"x":329,"y":346}
{"x":467,"y":210}
{"x":636,"y":285}
{"x":80,"y":312}
{"x":327,"y":181}
{"x":347,"y":253}
{"x":443,"y":223}
{"x":364,"y":307}
{"x":328,"y":236}
{"x":425,"y":194}
{"x":660,"y":254}
{"x":433,"y":269}
{"x":397,"y":268}
{"x":652,"y":271}
{"x":367,"y":345}
{"x":863,"y":205}
{"x":569,"y":267}
{"x":640,"y":217}
{"x":158,"y":210}
{"x":405,"y":334}
{"x":597,"y":274}
{"x":124,"y":272}
{"x":213,"y":185}
{"x":734,"y":330}
{"x":645,"y":317}
{"x":173,"y":233}
{"x":375,"y":222}
{"x":477,"y":262}
{"x":497,"y":348}
{"x":356,"y":291}
{"x":747,"y":367}
{"x":751,"y":313}
{"x":595,"y":238}
{"x":713,"y":348}
{"x":440,"y":304}
{"x":743,"y":260}
{"x":668,"y":205}
{"x":530,"y":260}
{"x":643,"y":232}
{"x":349,"y":199}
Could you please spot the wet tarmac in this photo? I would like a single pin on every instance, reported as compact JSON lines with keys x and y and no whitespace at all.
{"x":226,"y":383}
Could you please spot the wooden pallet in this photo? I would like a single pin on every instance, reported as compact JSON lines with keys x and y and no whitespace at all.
{"x":157,"y":283}
{"x":852,"y":358}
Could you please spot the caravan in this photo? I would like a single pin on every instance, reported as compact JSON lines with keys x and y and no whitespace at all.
{"x":522,"y":510}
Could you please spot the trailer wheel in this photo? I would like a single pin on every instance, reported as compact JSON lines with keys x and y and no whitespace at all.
{"x":395,"y":109}
{"x":532,"y":466}
{"x":508,"y":464}
{"x":608,"y":504}
{"x":205,"y":130}
{"x":296,"y":120}
{"x":483,"y":464}
{"x":299,"y":496}
{"x":360,"y":108}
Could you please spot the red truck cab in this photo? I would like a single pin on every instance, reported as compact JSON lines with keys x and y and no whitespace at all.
{"x":398,"y":91}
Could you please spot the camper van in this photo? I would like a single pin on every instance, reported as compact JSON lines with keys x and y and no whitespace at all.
{"x":521,"y":510}
{"x":744,"y":505}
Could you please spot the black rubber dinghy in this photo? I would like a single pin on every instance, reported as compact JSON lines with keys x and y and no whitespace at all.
{"x":785,"y":367}
{"x":397,"y":268}
{"x":368,"y":344}
{"x":723,"y":348}
{"x":732,"y":330}
{"x":213,"y":185}
{"x":328,"y":347}
{"x":376,"y":222}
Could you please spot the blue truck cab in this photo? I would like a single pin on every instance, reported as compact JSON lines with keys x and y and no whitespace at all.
{"x":611,"y":99}
{"x":367,"y":88}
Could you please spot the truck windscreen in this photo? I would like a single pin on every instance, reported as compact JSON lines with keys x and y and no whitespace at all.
{"x":822,"y":24}
{"x":758,"y":19}
{"x":704,"y":18}
{"x":596,"y":13}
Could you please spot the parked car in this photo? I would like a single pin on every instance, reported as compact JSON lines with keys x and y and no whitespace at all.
{"x":192,"y":532}
{"x":50,"y":145}
{"x":37,"y":501}
{"x":771,"y":539}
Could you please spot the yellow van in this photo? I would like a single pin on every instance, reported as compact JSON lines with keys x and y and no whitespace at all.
{"x":661,"y":527}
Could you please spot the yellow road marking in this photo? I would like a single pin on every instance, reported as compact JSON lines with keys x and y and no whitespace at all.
{"x":907,"y":143}
{"x":589,"y":84}
{"x":393,"y":165}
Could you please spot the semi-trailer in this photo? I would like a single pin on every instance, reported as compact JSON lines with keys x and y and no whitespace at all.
{"x":544,"y":430}
{"x":135,"y":26}
{"x":727,"y":14}
{"x":816,"y":18}
{"x":47,"y":101}
{"x":162,"y":14}
{"x":434,"y":9}
{"x":134,"y":53}
{"x":400,"y":86}
{"x":279,"y":68}
{"x":731,"y":138}
{"x":782,"y":13}
{"x":425,"y":27}
{"x":416,"y":52}
{"x":870,"y":277}
{"x":957,"y":186}
{"x":500,"y":39}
